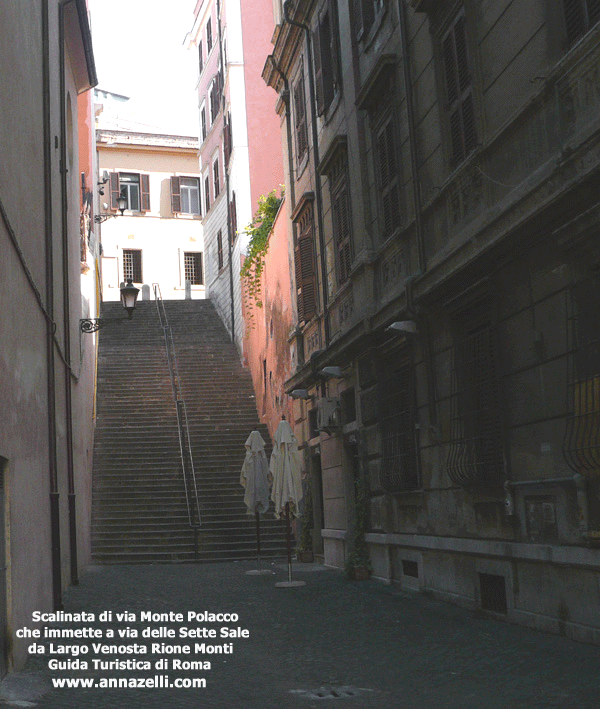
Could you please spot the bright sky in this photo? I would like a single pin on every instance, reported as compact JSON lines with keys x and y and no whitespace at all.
{"x":139,"y":52}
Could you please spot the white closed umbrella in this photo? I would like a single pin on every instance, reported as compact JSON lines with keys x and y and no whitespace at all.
{"x":285,"y":469}
{"x":287,"y":485}
{"x":255,"y":478}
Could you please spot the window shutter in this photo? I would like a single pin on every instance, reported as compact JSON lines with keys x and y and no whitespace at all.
{"x":300,"y":111}
{"x":305,"y":278}
{"x":206,"y":194}
{"x":386,"y":150}
{"x":327,"y":59}
{"x":316,"y":41}
{"x":574,"y":19}
{"x":462,"y":56}
{"x":175,"y":194}
{"x":115,"y":190}
{"x":233,"y":217}
{"x":342,"y":232}
{"x":451,"y":84}
{"x":145,"y":190}
{"x":593,"y":12}
{"x":200,"y":58}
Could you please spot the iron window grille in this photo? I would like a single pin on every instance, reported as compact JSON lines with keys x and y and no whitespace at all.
{"x":580,"y":17}
{"x":399,"y":446}
{"x":582,"y":435}
{"x":476,"y":450}
{"x":459,"y":90}
{"x":132,"y":265}
{"x":192,"y":266}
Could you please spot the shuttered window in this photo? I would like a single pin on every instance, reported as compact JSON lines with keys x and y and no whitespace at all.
{"x":388,"y":183}
{"x":206,"y":194}
{"x":135,"y":187}
{"x":185,"y":195}
{"x":200,"y":58}
{"x":582,"y":436}
{"x":476,"y":453}
{"x":203,"y":122}
{"x":580,"y":16}
{"x":399,"y":464}
{"x":233,"y":217}
{"x":305,"y":268}
{"x":342,"y":232}
{"x":326,"y":57}
{"x":459,"y":92}
{"x":220,"y":250}
{"x":300,"y":118}
{"x":216,"y":178}
{"x":209,"y":36}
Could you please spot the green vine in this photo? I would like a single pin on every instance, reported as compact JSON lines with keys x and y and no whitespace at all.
{"x":259,"y":230}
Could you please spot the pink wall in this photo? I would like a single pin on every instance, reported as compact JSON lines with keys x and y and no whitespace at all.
{"x":85,"y":140}
{"x":267,"y":338}
{"x":264,"y":129}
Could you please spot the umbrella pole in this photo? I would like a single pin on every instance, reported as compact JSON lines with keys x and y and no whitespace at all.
{"x":257,"y":540}
{"x":289,"y":540}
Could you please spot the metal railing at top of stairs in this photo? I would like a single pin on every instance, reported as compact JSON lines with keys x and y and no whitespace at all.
{"x":185,"y":445}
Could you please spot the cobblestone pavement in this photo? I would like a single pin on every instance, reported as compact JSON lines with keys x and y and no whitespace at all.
{"x":373,"y":645}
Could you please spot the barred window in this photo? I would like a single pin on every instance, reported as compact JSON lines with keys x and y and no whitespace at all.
{"x":399,"y":454}
{"x":192,"y":265}
{"x":580,"y":16}
{"x":476,"y":452}
{"x":582,"y":437}
{"x":132,"y":265}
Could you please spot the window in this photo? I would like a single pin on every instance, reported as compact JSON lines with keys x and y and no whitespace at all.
{"x":206,"y":194}
{"x":580,"y":16}
{"x":233,"y":217}
{"x":192,"y":266}
{"x":365,"y":12}
{"x":326,"y":55}
{"x":216,"y":179}
{"x":185,"y":195}
{"x":220,"y":249}
{"x":134,"y":187}
{"x":300,"y":118}
{"x":227,"y":140}
{"x":476,"y":454}
{"x":132,"y":265}
{"x":203,"y":122}
{"x":209,"y":37}
{"x":387,"y":174}
{"x":399,"y":456}
{"x":582,"y":437}
{"x":459,"y":92}
{"x":200,"y":58}
{"x":305,"y":267}
{"x":215,"y":98}
{"x":342,"y":219}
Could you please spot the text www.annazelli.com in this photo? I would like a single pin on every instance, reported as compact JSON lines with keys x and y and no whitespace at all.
{"x":156,"y":682}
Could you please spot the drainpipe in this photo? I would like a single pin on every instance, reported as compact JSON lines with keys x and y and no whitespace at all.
{"x":315,"y":142}
{"x":288,"y":124}
{"x":66,"y":296}
{"x":226,"y":171}
{"x":52,"y":457}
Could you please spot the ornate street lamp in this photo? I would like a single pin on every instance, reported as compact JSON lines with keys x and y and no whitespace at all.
{"x":121,"y":205}
{"x":129,"y":294}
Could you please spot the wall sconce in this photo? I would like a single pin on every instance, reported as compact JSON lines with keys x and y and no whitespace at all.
{"x":300,"y":394}
{"x":129,"y":294}
{"x":403,"y":327}
{"x":121,"y":205}
{"x":335,"y":372}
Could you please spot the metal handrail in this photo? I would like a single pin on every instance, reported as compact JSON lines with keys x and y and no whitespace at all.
{"x":183,"y":429}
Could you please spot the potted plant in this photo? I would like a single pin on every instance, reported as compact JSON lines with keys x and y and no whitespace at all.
{"x":358,"y":563}
{"x":305,"y":549}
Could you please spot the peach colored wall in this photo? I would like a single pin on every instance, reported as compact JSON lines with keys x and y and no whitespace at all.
{"x":267,"y":338}
{"x":85,"y":139}
{"x":264,"y":130}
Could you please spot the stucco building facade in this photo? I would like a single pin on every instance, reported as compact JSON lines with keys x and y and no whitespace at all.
{"x":46,"y":364}
{"x":159,"y":237}
{"x":445,"y":162}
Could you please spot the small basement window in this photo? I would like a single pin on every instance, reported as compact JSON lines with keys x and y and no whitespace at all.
{"x":493,"y":593}
{"x":410,"y":568}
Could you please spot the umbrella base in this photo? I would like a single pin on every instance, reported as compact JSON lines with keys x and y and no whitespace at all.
{"x":259,"y":572}
{"x":289,"y":584}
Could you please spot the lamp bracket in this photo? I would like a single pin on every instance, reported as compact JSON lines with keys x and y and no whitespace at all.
{"x":95,"y":324}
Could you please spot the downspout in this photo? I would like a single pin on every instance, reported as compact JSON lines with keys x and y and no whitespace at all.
{"x":52,"y":457}
{"x":66,"y":297}
{"x":226,"y":171}
{"x":288,"y":124}
{"x":315,"y":142}
{"x":414,"y":162}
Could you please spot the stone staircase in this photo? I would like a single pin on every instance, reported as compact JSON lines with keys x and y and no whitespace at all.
{"x":139,"y":510}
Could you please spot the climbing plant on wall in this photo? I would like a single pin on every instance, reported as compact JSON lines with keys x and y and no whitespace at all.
{"x":258,"y":230}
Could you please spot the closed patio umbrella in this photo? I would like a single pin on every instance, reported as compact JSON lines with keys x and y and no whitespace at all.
{"x":255,"y":478}
{"x":287,"y":484}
